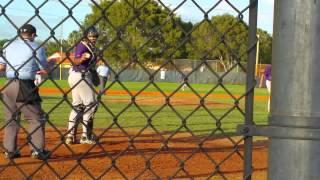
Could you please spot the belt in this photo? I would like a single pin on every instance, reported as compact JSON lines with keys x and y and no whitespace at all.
{"x":81,"y":71}
{"x":16,"y":79}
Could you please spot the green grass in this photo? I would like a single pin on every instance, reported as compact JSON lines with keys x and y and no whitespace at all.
{"x":164,"y":86}
{"x":217,"y":112}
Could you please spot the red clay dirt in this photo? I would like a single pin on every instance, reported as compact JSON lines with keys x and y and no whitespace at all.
{"x":145,"y":93}
{"x":156,"y":98}
{"x":147,"y":156}
{"x":116,"y":158}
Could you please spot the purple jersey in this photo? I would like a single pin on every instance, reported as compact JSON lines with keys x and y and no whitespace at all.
{"x":81,"y":49}
{"x":267,"y":72}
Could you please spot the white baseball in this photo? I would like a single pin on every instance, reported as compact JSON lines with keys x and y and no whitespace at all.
{"x":87,"y":55}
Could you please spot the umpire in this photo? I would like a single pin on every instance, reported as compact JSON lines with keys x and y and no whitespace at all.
{"x":22,"y":59}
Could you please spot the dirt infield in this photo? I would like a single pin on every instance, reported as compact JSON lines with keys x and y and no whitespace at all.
{"x":144,"y":93}
{"x":156,"y":98}
{"x":116,"y":158}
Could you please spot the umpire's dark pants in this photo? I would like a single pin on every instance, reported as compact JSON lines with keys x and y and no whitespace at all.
{"x":32,"y":113}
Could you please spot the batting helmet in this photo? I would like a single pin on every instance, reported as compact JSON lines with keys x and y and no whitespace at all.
{"x":91,"y":31}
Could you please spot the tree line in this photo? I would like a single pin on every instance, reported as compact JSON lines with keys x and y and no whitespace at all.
{"x":150,"y":33}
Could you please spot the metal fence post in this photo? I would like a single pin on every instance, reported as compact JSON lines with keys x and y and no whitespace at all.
{"x":250,"y":84}
{"x":295,"y":91}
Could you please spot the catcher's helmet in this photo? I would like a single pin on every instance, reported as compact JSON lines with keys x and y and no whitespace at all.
{"x":91,"y":31}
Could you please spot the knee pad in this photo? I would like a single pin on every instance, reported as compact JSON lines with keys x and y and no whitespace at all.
{"x":93,"y":106}
{"x":79,"y":108}
{"x":44,"y":117}
{"x":91,"y":109}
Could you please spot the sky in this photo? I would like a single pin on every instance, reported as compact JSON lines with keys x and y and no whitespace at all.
{"x":53,"y":12}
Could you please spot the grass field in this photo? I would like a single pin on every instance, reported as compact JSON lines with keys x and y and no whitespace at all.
{"x":218,"y":109}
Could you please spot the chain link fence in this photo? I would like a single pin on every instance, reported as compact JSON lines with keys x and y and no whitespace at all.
{"x":148,"y":129}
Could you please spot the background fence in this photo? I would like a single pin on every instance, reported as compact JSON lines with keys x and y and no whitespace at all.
{"x":139,"y":75}
{"x":199,"y":75}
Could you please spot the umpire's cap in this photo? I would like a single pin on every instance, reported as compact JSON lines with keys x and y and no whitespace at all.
{"x":28,"y":28}
{"x":91,"y":31}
